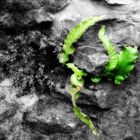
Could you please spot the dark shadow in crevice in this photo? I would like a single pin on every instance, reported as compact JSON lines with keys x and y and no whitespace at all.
{"x":129,"y":138}
{"x":93,"y":108}
{"x":45,"y":128}
{"x":19,"y":29}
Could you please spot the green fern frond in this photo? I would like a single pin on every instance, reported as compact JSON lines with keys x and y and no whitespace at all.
{"x":96,"y":79}
{"x":119,"y":64}
{"x":110,"y":48}
{"x":85,"y":119}
{"x":82,"y":116}
{"x":79,"y":73}
{"x":126,"y":60}
{"x":76,"y":78}
{"x":63,"y":57}
{"x":79,"y":30}
{"x":76,"y":81}
{"x":74,"y":35}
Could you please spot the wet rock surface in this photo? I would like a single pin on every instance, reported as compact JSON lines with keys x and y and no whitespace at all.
{"x":34,"y":99}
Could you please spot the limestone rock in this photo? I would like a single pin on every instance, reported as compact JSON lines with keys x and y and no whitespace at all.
{"x":91,"y":59}
{"x":121,"y":2}
{"x":56,"y":120}
{"x":29,"y":58}
{"x":26,"y":13}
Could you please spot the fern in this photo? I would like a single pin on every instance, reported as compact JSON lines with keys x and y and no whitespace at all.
{"x":63,"y":57}
{"x":118,"y":66}
{"x":79,"y":73}
{"x":77,"y":83}
{"x":78,"y":31}
{"x":83,"y":117}
{"x":74,"y":35}
{"x":110,"y":48}
{"x":126,"y":60}
{"x":76,"y":78}
{"x":96,"y":79}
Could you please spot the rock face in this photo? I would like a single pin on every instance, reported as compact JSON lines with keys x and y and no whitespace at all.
{"x":90,"y":58}
{"x":121,"y":2}
{"x":26,"y":13}
{"x":34,"y":99}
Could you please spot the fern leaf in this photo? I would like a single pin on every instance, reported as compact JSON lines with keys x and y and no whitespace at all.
{"x":75,"y":34}
{"x":109,"y":48}
{"x":96,"y":79}
{"x":83,"y":117}
{"x":79,"y":30}
{"x":79,"y":73}
{"x":76,"y":81}
{"x":63,"y":57}
{"x":126,"y":60}
{"x":76,"y":78}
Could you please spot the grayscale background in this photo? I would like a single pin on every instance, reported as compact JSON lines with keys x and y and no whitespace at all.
{"x":34,"y":103}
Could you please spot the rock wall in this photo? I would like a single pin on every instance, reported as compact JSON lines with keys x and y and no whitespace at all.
{"x":34,"y":103}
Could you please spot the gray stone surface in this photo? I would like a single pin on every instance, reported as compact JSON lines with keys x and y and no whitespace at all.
{"x":121,"y":2}
{"x":90,"y":58}
{"x":32,"y":32}
{"x":27,"y":13}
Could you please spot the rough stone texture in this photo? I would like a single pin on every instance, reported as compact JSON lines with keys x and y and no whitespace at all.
{"x":52,"y":116}
{"x":120,"y":1}
{"x":25,"y":13}
{"x":34,"y":99}
{"x":90,"y":58}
